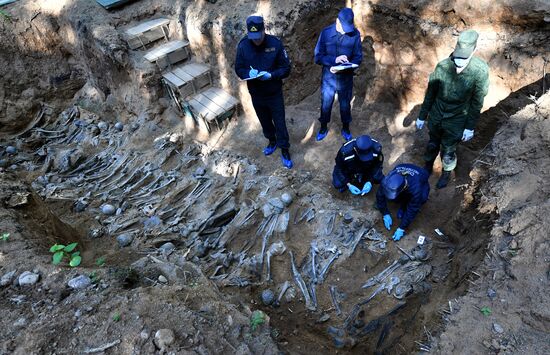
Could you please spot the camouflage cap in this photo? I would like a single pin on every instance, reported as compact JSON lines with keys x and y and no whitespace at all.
{"x":466,"y":44}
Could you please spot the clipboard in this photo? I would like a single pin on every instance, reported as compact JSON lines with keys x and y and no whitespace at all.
{"x":256,"y":77}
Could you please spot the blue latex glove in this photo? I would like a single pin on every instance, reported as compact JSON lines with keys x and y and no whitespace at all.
{"x":354,"y":189}
{"x":253,"y":73}
{"x":387,"y":221}
{"x":419,"y":124}
{"x":366,"y":188}
{"x":399,"y":233}
{"x":467,"y":135}
{"x":265,"y":77}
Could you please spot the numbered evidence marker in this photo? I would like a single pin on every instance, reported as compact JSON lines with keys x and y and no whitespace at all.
{"x":420,"y":240}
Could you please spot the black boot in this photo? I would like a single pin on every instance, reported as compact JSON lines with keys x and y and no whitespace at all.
{"x":429,"y":166}
{"x":443,"y":180}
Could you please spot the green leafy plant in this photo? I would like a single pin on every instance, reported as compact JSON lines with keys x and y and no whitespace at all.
{"x":61,"y":252}
{"x":94,"y":277}
{"x":486,"y":311}
{"x":5,"y":236}
{"x":257,"y":319}
{"x":100,"y":261}
{"x":116,"y":317}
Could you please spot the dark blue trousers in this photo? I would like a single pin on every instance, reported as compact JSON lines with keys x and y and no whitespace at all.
{"x":271,"y":113}
{"x":332,"y":84}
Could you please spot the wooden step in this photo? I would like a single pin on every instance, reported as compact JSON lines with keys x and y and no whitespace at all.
{"x":188,"y":79}
{"x":112,"y":4}
{"x":169,"y":54}
{"x":147,"y":32}
{"x":212,"y":107}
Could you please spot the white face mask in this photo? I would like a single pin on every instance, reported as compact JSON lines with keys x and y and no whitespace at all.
{"x":462,"y":63}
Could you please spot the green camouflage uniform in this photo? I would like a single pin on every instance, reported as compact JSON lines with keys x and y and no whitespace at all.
{"x":453,"y":103}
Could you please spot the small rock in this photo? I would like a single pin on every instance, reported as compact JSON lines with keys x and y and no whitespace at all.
{"x":119,"y":126}
{"x":10,"y":149}
{"x":164,"y":338}
{"x":162,"y":279}
{"x":167,"y":248}
{"x":28,"y":278}
{"x":513,"y":244}
{"x":267,"y":297}
{"x":79,"y":282}
{"x":134,"y":126}
{"x":124,"y":239}
{"x":20,"y":323}
{"x":80,"y":205}
{"x":103,"y":126}
{"x":4,"y":163}
{"x":491,"y":293}
{"x":7,"y":278}
{"x":498,"y":328}
{"x":77,"y":313}
{"x":144,"y":334}
{"x":108,"y":209}
{"x":286,"y":198}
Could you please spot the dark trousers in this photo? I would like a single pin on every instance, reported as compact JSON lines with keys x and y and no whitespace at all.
{"x":332,"y":84}
{"x":271,"y":113}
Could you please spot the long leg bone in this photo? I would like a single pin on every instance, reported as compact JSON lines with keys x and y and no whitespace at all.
{"x":382,"y":275}
{"x":324,"y":271}
{"x":300,"y":283}
{"x":334,"y":297}
{"x":284,"y":288}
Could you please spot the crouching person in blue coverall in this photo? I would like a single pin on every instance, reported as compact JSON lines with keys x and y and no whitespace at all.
{"x":408,"y":185}
{"x":338,"y":45}
{"x":262,"y":61}
{"x":358,"y":165}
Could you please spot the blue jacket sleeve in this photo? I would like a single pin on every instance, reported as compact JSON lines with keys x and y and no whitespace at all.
{"x":341,"y":170}
{"x":378,"y":174}
{"x":282,"y":64}
{"x":321,"y":55}
{"x":381,"y":203}
{"x":241,"y":69}
{"x":357,"y":55}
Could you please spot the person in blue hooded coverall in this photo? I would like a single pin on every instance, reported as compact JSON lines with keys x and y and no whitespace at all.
{"x":263,"y":61}
{"x":338,"y":44}
{"x":408,"y":185}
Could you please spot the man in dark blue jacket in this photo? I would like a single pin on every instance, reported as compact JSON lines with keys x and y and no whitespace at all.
{"x":338,"y":45}
{"x":262,"y":61}
{"x":408,"y":185}
{"x":358,"y":165}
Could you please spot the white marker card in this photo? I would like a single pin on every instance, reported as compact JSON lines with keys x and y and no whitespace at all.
{"x":421,"y":240}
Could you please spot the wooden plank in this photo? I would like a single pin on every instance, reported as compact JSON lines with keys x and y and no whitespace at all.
{"x":195,"y":69}
{"x":227,"y":102}
{"x":209,"y":104}
{"x":147,"y":26}
{"x":224,"y":96}
{"x":164,"y":50}
{"x":173,"y":79}
{"x":180,"y":73}
{"x":202,"y":110}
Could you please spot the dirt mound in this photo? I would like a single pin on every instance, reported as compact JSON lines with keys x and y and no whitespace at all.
{"x":508,"y":308}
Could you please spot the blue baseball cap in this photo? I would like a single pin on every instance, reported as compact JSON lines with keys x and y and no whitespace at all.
{"x":255,"y":27}
{"x":393,"y":184}
{"x":346,"y":19}
{"x":364,"y":148}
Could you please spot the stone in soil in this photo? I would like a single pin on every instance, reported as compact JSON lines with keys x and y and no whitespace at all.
{"x":162,"y":279}
{"x":124,"y":240}
{"x":167,"y":248}
{"x":267,"y":297}
{"x":108,"y":209}
{"x":286,"y":198}
{"x":119,"y":126}
{"x":164,"y":338}
{"x":28,"y":278}
{"x":498,"y":328}
{"x":10,"y":149}
{"x":278,"y":205}
{"x":80,"y":282}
